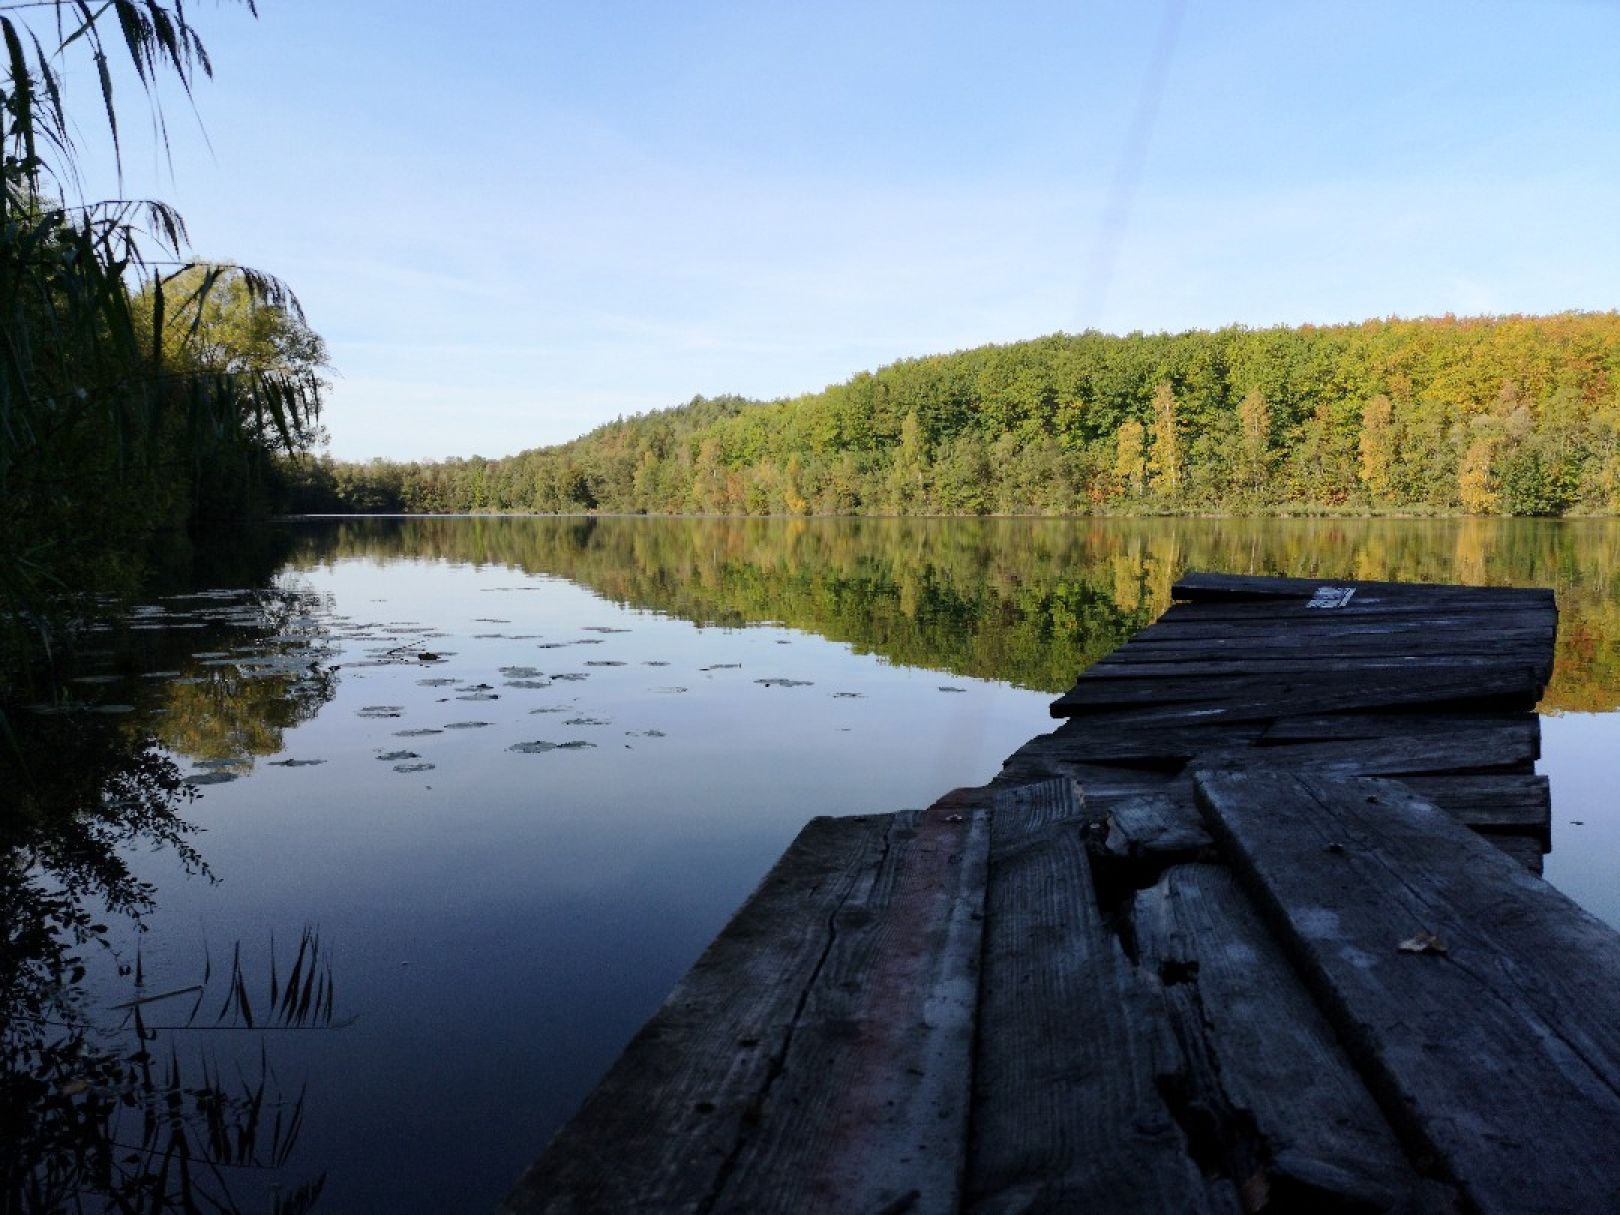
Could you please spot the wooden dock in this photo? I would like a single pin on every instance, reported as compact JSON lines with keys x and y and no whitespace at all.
{"x":1257,"y":928}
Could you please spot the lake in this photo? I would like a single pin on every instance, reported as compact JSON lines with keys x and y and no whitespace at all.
{"x":489,"y":785}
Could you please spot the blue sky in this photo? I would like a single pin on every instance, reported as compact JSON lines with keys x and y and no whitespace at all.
{"x":513,"y":221}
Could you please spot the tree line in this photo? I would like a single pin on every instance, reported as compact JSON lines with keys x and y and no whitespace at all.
{"x":1516,"y":415}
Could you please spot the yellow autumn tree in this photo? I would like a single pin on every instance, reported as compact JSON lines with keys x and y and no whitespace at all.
{"x":1130,"y":459}
{"x":1254,"y":419}
{"x":1378,"y":448}
{"x":1164,"y":458}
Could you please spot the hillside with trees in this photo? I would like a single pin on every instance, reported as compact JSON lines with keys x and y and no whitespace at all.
{"x":1512,"y":415}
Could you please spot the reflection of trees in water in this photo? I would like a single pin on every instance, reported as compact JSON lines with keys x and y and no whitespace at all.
{"x":1030,"y":601}
{"x":128,"y":1101}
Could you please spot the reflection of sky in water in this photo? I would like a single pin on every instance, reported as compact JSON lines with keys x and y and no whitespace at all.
{"x":1580,"y":754}
{"x":503,"y":922}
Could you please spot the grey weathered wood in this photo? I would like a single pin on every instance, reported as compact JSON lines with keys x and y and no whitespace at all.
{"x":856,"y":958}
{"x":1400,"y":725}
{"x":1501,"y":1055}
{"x":1103,"y":741}
{"x":1098,"y":695}
{"x":1519,"y":803}
{"x":1210,"y":586}
{"x":1072,"y":1040}
{"x":1466,"y":749}
{"x":1276,"y":1073}
{"x":1509,"y":691}
{"x":1525,"y":850}
{"x":1157,"y":825}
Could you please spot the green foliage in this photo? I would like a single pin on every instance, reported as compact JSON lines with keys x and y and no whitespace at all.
{"x":136,"y":391}
{"x":1378,"y":416}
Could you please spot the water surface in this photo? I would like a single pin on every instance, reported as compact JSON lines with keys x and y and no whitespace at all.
{"x":518,"y":772}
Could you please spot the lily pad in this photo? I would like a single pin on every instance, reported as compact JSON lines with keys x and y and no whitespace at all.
{"x":644,"y":734}
{"x":587,"y":721}
{"x":389,"y":757}
{"x":572,"y":676}
{"x":419,"y":732}
{"x":945,"y":687}
{"x":528,"y":683}
{"x":604,"y":662}
{"x":381,"y":711}
{"x":522,"y":672}
{"x":421,"y":767}
{"x":439,"y":682}
{"x":465,"y":725}
{"x":210,"y":778}
{"x":603,"y":628}
{"x":295,"y":763}
{"x":785,"y":683}
{"x":479,"y":696}
{"x":849,"y":695}
{"x":538,"y":746}
{"x":723,"y":666}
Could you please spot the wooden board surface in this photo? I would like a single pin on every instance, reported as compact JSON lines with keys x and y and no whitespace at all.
{"x":1284,"y":1104}
{"x":1067,"y":1112}
{"x":857,"y":958}
{"x":1501,"y":1055}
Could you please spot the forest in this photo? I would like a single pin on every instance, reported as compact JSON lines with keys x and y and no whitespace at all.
{"x":1512,"y":415}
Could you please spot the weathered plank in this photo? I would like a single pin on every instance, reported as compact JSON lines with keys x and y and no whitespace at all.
{"x":1508,"y":691}
{"x":1297,"y":663}
{"x":856,"y":958}
{"x":1280,"y":1097}
{"x":1401,"y":725}
{"x":1100,"y":741}
{"x":1072,"y":1042}
{"x":1201,"y":586}
{"x":1517,"y":803}
{"x":1466,"y":749}
{"x":1157,"y":825}
{"x":1098,"y":695}
{"x":1501,"y":1054}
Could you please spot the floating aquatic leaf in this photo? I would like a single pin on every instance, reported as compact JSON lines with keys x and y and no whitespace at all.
{"x":655,"y":662}
{"x":381,"y":711}
{"x":440,"y":682}
{"x":554,"y":709}
{"x":671,"y":691}
{"x":644,"y":733}
{"x":210,"y":778}
{"x":528,"y":683}
{"x":723,"y":666}
{"x":421,"y":767}
{"x":522,"y":672}
{"x":295,"y":763}
{"x":479,"y":696}
{"x":419,"y":732}
{"x":490,"y":620}
{"x":604,"y":662}
{"x":849,"y":695}
{"x":785,"y":683}
{"x":552,"y":645}
{"x":945,"y":687}
{"x":465,"y":725}
{"x":389,"y":757}
{"x":587,"y":721}
{"x":572,"y":676}
{"x":538,"y":746}
{"x":587,"y":641}
{"x":487,"y":636}
{"x":603,"y":628}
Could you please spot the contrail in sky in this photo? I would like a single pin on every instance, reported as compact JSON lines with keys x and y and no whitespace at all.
{"x":1128,"y":173}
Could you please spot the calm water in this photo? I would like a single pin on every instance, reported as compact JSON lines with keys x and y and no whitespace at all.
{"x":517,"y":772}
